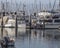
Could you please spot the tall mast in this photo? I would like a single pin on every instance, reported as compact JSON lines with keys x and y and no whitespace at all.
{"x":40,"y":5}
{"x":15,"y":6}
{"x":3,"y":7}
{"x":32,"y":8}
{"x":11,"y":5}
{"x":49,"y":4}
{"x":24,"y":9}
{"x":19,"y":5}
{"x":59,"y":4}
{"x":35,"y":5}
{"x":6,"y":6}
{"x":54,"y":5}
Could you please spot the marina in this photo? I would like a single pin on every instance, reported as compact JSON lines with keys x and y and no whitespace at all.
{"x":29,"y":24}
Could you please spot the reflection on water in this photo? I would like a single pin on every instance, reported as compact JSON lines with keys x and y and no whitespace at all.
{"x":35,"y":38}
{"x":8,"y":32}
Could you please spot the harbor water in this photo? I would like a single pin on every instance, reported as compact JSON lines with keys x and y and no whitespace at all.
{"x":34,"y":38}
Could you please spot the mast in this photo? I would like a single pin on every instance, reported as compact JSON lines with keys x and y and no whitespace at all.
{"x":32,"y":8}
{"x":59,"y":4}
{"x":3,"y":6}
{"x":16,"y":6}
{"x":24,"y":9}
{"x":54,"y":5}
{"x":35,"y":7}
{"x":49,"y":4}
{"x":11,"y":5}
{"x":6,"y":6}
{"x":19,"y":5}
{"x":40,"y":5}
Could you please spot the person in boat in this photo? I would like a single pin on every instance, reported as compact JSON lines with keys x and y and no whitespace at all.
{"x":6,"y":39}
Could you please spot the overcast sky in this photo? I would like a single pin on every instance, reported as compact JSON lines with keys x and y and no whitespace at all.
{"x":31,"y":1}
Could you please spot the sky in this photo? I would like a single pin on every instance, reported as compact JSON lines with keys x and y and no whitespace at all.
{"x":32,"y":1}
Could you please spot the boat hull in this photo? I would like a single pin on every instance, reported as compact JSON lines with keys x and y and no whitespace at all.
{"x":13,"y":26}
{"x":52,"y":26}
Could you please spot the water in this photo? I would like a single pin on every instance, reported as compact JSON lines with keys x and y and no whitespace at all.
{"x":34,"y":38}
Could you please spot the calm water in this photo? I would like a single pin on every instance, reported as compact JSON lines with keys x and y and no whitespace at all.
{"x":34,"y":38}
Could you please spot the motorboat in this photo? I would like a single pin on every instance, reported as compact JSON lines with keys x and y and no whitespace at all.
{"x":49,"y":20}
{"x":12,"y":23}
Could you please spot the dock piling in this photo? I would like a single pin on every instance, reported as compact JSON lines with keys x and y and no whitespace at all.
{"x":16,"y":27}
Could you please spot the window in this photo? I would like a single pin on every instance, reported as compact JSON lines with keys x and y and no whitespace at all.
{"x":27,"y":21}
{"x":54,"y":17}
{"x":57,"y":21}
{"x":47,"y":17}
{"x":48,"y":20}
